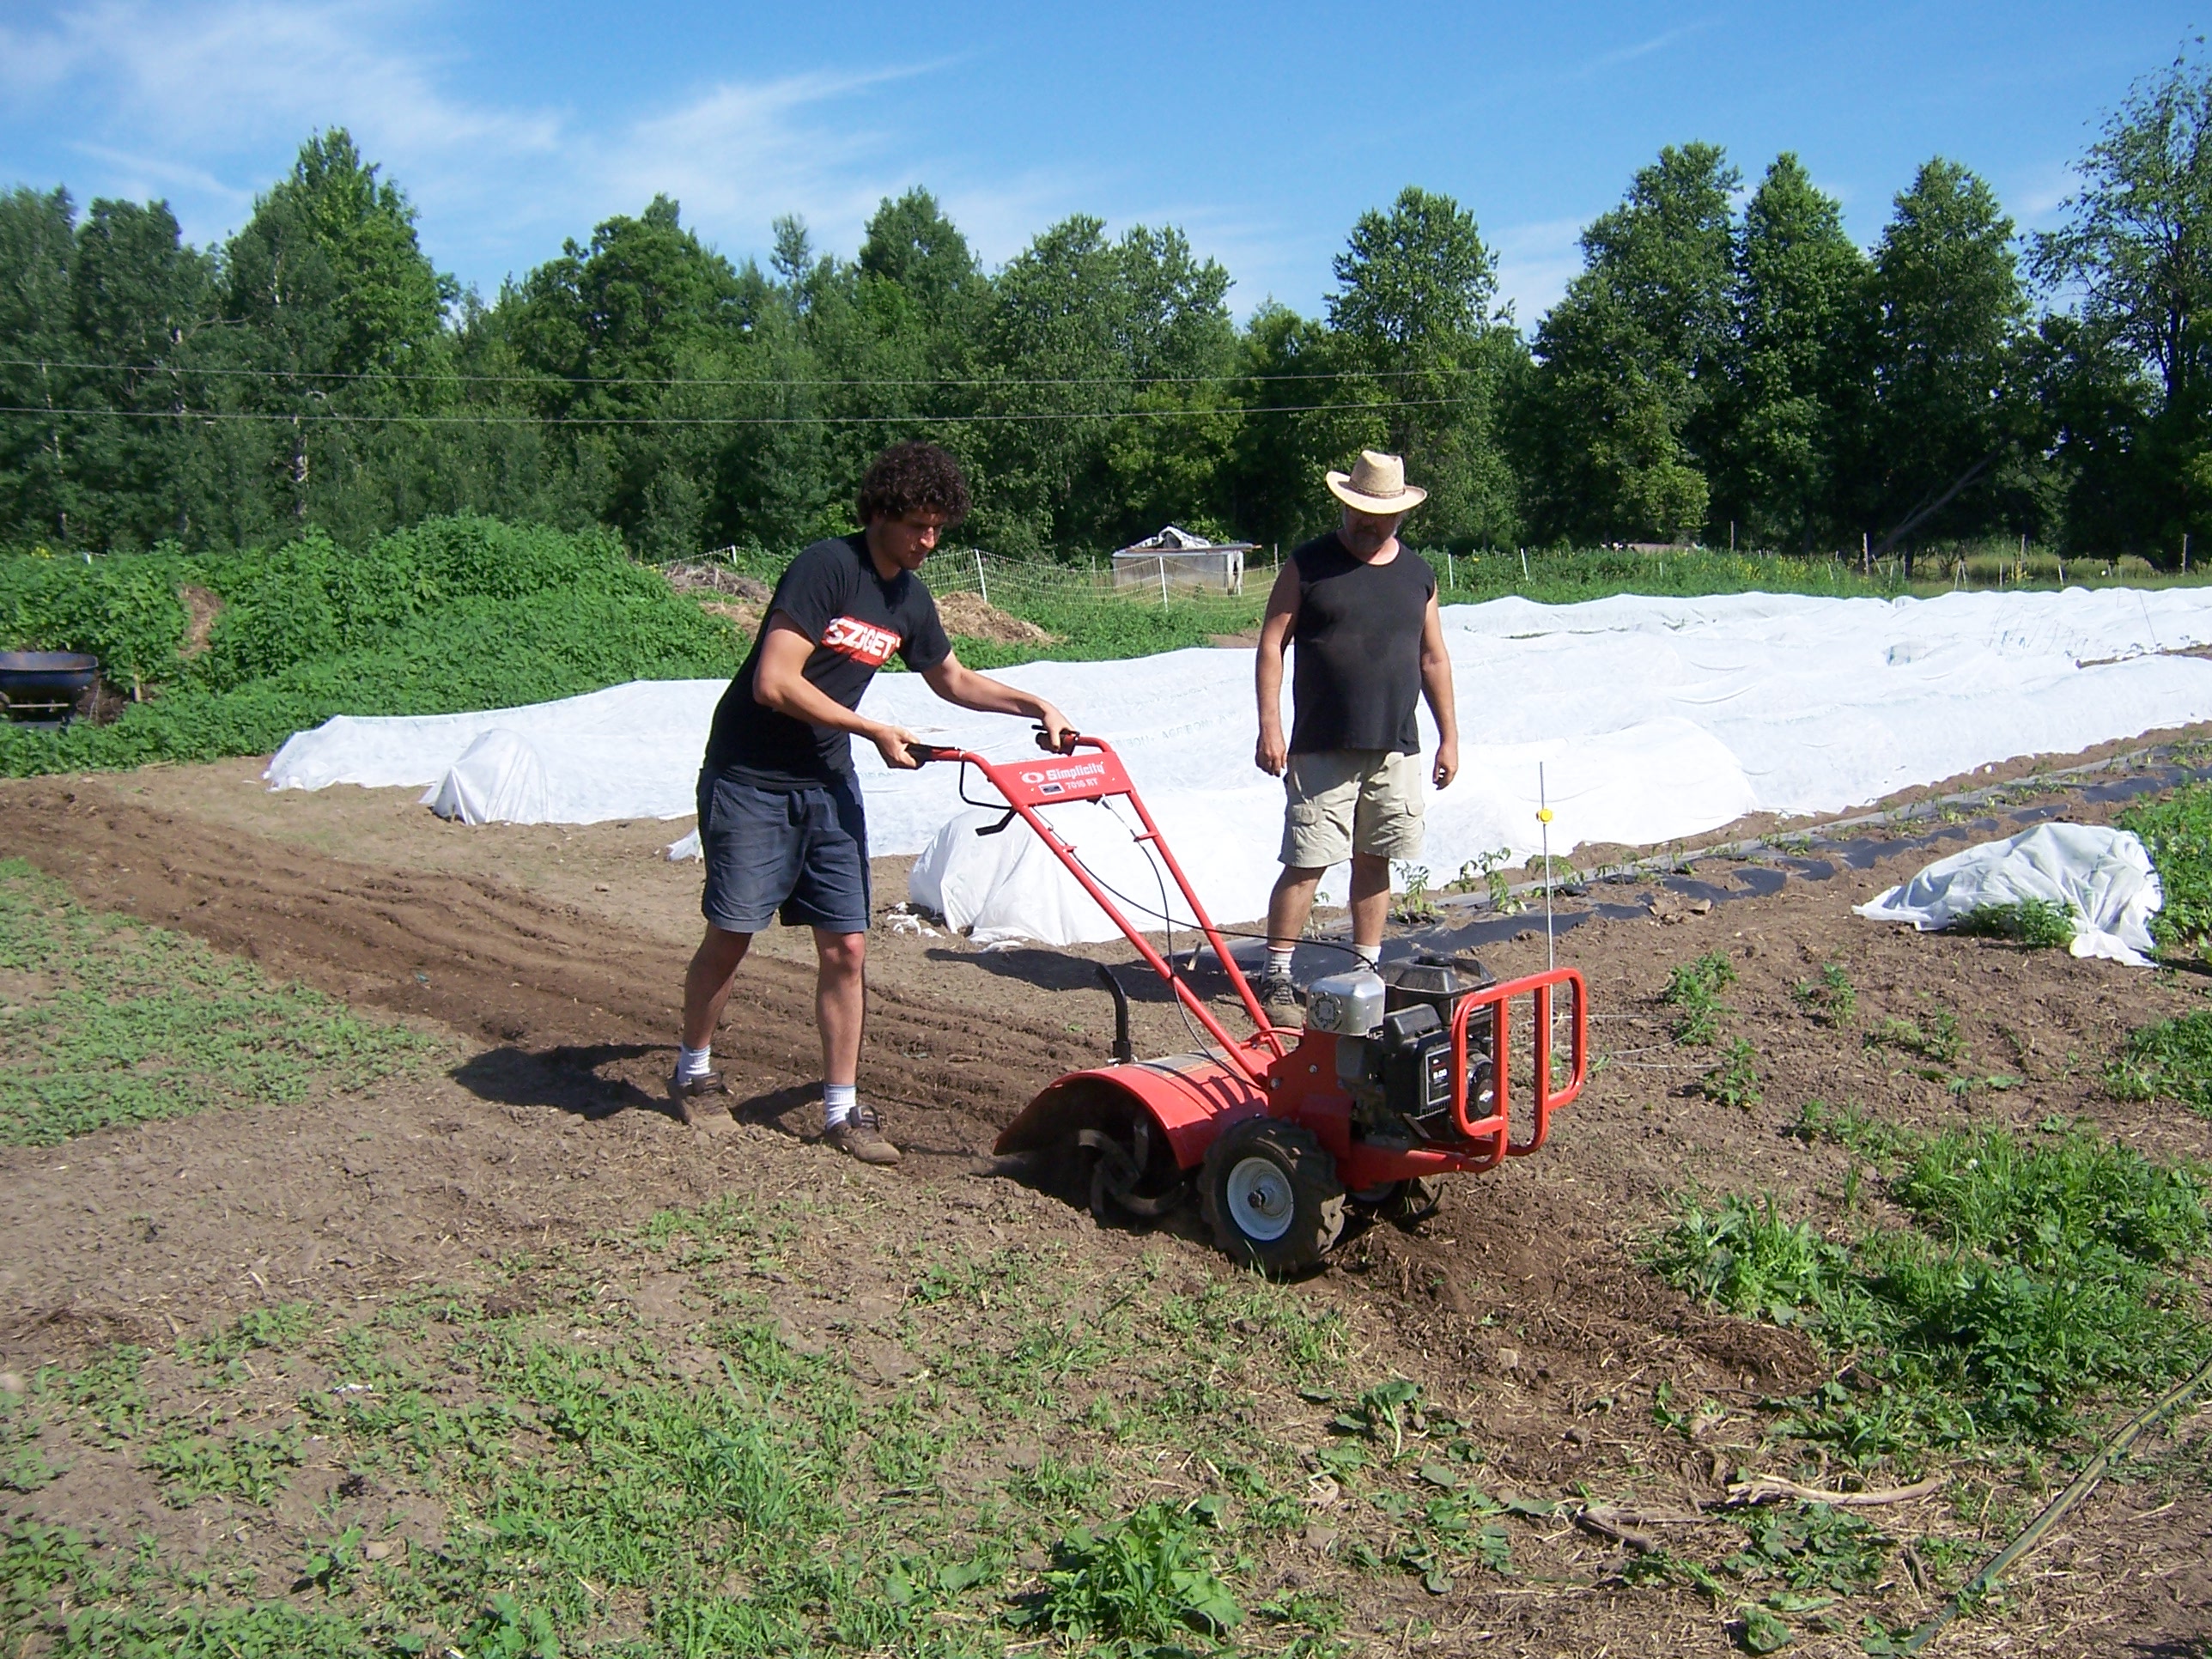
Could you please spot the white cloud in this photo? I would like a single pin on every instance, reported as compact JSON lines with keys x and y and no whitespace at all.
{"x":205,"y":101}
{"x":1628,"y":54}
{"x":1535,"y":261}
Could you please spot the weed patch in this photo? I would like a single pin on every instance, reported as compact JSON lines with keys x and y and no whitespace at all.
{"x":2171,"y":1059}
{"x":1735,"y":1080}
{"x":127,"y":1022}
{"x":2033,"y":1276}
{"x":2039,"y":924}
{"x":453,"y":614}
{"x":1693,"y":991}
{"x":1829,"y":997}
{"x":1145,"y":1581}
{"x":749,"y":1493}
{"x":1936,"y":1039}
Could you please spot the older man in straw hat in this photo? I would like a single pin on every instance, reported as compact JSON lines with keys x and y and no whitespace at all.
{"x":1363,"y":611}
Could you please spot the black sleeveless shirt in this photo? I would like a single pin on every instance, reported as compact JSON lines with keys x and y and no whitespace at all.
{"x":1355,"y":675}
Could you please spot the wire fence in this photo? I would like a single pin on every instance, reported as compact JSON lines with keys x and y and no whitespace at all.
{"x":1022,"y":584}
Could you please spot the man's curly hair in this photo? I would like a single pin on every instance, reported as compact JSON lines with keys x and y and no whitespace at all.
{"x":912,"y":475}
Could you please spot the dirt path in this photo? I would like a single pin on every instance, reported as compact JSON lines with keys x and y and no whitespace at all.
{"x":553,"y":957}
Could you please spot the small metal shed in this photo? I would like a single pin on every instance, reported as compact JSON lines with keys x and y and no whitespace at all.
{"x":1175,"y":559}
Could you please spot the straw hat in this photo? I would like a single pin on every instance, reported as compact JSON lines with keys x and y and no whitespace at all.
{"x":1376,"y":484}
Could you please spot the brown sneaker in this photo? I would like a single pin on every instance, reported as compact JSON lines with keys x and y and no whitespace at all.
{"x":1277,"y":995}
{"x":698,"y":1099}
{"x":859,"y":1133}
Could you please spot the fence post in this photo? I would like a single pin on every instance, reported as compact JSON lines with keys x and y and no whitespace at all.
{"x":1164,"y":581}
{"x":982,"y":585}
{"x":1451,"y":569}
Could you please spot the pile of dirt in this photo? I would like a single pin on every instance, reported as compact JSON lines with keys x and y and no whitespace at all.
{"x":745,"y":619}
{"x":717,"y":578}
{"x":968,"y":616}
{"x":202,"y":611}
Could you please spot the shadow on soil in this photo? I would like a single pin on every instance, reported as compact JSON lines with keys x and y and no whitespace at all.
{"x":568,"y":1078}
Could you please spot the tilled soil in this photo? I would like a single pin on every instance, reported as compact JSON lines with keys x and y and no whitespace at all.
{"x":552,"y":958}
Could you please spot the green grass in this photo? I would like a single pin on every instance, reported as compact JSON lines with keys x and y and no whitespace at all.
{"x":106,"y":1021}
{"x":2025,"y":1282}
{"x":722,"y":1486}
{"x":2171,"y":1059}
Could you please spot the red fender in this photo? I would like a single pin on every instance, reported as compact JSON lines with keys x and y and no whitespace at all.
{"x":1192,"y":1097}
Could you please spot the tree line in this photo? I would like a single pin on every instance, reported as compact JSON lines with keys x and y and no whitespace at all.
{"x":1727,"y":366}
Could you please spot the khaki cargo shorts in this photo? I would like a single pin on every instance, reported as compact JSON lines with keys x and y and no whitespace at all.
{"x":1347,"y":800}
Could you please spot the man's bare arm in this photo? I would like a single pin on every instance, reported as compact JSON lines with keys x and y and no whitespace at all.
{"x":958,"y":683}
{"x":1273,"y":752}
{"x":1437,"y":687}
{"x":781,"y":683}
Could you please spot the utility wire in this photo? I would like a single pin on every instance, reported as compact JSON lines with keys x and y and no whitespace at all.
{"x":585,"y":381}
{"x":327,"y":417}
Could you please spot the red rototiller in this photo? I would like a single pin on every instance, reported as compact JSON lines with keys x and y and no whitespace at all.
{"x":1396,"y":1079}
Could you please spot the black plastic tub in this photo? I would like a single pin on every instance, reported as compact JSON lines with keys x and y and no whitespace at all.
{"x":42,"y":688}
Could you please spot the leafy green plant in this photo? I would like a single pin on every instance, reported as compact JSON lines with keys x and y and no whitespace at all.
{"x":1693,"y":991}
{"x":2177,"y":832}
{"x":454,"y":614}
{"x":1735,"y":1080}
{"x":2039,"y":924}
{"x":1414,"y":906}
{"x":1145,"y":1581}
{"x":1829,"y":996}
{"x":1741,"y":1254}
{"x":1475,"y":875}
{"x":1387,"y":1407}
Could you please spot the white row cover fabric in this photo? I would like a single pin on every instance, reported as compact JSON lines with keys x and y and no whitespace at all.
{"x":1653,"y":719}
{"x":2103,"y":876}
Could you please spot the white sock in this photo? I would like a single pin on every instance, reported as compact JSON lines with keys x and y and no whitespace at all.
{"x":693,"y":1063}
{"x":838,"y":1100}
{"x":1278,"y":960}
{"x":1369,"y":954}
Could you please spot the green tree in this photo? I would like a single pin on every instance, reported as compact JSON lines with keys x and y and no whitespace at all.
{"x":910,"y":245}
{"x":1114,"y":352}
{"x":144,"y":305}
{"x":1943,"y":438}
{"x":2136,"y":254}
{"x":1415,"y":308}
{"x":38,"y":247}
{"x":640,"y":342}
{"x":338,"y":243}
{"x":1800,"y":293}
{"x":1623,"y":410}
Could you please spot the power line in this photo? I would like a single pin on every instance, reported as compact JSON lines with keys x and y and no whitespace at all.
{"x":550,"y":380}
{"x":331,"y":418}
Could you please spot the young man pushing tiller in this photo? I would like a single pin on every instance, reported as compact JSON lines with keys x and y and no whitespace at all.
{"x":781,"y":823}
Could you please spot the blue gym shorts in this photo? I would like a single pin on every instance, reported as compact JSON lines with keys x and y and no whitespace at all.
{"x":801,"y":852}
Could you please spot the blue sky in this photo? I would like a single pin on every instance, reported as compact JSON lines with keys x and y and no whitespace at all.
{"x":1263,"y":131}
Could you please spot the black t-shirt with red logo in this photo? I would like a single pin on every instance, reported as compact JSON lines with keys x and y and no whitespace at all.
{"x":856,"y":619}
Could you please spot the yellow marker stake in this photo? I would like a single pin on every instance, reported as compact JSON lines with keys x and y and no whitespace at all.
{"x":1544,"y":818}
